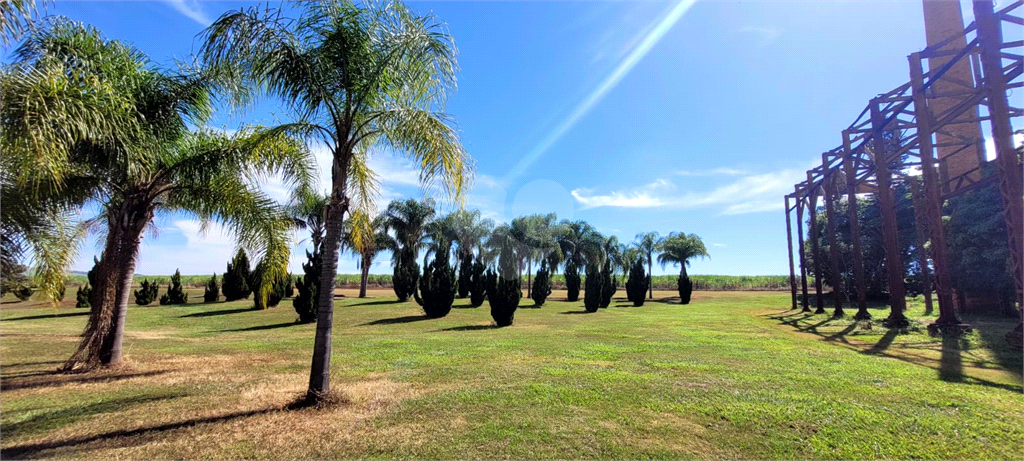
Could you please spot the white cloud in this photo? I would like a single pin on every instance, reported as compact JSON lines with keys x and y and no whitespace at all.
{"x":718,"y":245}
{"x":748,"y":194}
{"x":712,"y":172}
{"x":990,"y":145}
{"x":192,"y":9}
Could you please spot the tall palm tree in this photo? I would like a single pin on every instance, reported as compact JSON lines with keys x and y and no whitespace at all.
{"x":467,"y":230}
{"x":649,"y":243}
{"x":359,"y":77}
{"x":307,"y":212}
{"x":580,"y":243}
{"x":160,"y":165}
{"x":368,"y":238}
{"x":680,"y":248}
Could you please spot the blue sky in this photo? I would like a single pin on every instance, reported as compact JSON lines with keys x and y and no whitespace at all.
{"x":681,"y":116}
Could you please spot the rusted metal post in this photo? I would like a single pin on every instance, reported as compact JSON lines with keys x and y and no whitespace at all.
{"x":802,"y":252}
{"x":990,"y":37}
{"x":890,"y":230}
{"x":921,"y":223}
{"x":819,"y":298}
{"x":789,"y":240}
{"x":852,"y":214}
{"x":932,"y":198}
{"x":833,"y":245}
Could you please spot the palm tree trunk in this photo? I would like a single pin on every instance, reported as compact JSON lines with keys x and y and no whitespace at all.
{"x":650,"y":268}
{"x":320,"y":371}
{"x":111,"y":352}
{"x":529,"y":278}
{"x":366,"y":275}
{"x":87,"y":356}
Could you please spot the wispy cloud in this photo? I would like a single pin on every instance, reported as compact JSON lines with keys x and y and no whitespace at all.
{"x":192,"y":9}
{"x":748,"y":194}
{"x":713,"y":172}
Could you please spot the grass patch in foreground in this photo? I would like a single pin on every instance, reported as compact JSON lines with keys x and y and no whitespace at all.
{"x":732,"y":375}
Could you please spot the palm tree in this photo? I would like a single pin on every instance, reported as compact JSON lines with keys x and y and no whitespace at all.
{"x":467,"y":230}
{"x":359,"y":77}
{"x":158,"y":166}
{"x":533,"y":235}
{"x":367,"y":239}
{"x":680,"y":248}
{"x":580,"y":243}
{"x":307,"y":212}
{"x":649,"y":243}
{"x":16,"y":19}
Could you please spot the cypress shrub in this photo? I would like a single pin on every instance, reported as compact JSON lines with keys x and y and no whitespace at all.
{"x":504,"y":289}
{"x":83,"y":293}
{"x":437,"y":287}
{"x":609,"y":284}
{"x":308,"y":287}
{"x":638,"y":283}
{"x":146,"y":293}
{"x":212,"y":291}
{"x":23,"y":292}
{"x":235,"y":283}
{"x":406,"y":276}
{"x":477,"y":284}
{"x":572,"y":282}
{"x":277,"y":285}
{"x":685,"y":289}
{"x":289,"y":286}
{"x":594,"y":292}
{"x":175,"y":294}
{"x":465,"y":274}
{"x":541,"y":285}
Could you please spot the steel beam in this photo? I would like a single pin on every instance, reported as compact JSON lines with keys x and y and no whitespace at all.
{"x":858,"y":252}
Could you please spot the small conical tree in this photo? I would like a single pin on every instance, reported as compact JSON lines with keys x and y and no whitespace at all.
{"x":236,"y":280}
{"x":83,"y":294}
{"x":405,"y":278}
{"x":437,"y":286}
{"x":541,"y":285}
{"x":609,"y":284}
{"x":277,"y":286}
{"x":572,"y":283}
{"x":638,"y":283}
{"x":212,"y":291}
{"x":289,"y":286}
{"x":477,"y":284}
{"x":685,"y":289}
{"x":175,"y":293}
{"x":146,"y":293}
{"x":594,"y":292}
{"x":465,"y":274}
{"x":308,"y":287}
{"x":504,"y":289}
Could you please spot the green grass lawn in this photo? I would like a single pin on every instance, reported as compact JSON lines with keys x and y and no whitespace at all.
{"x":732,"y":375}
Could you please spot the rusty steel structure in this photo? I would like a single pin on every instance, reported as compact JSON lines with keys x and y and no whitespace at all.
{"x":926,"y":133}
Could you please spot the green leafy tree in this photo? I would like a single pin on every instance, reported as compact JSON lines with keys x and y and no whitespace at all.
{"x":680,"y":248}
{"x":358,"y":76}
{"x":123,"y":142}
{"x":638,"y":283}
{"x":648,"y":243}
{"x":594,"y":292}
{"x":308,"y":286}
{"x":236,"y":279}
{"x":541,"y":284}
{"x":504,"y":287}
{"x":175,"y":293}
{"x":437,"y":286}
{"x":580,"y":243}
{"x":477,"y":284}
{"x":212,"y":291}
{"x":147,"y":293}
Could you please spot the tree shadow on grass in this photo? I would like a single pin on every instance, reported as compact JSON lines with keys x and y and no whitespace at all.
{"x":215,"y":313}
{"x":121,"y":438}
{"x":58,"y":378}
{"x":471,"y":328}
{"x":42,"y":422}
{"x":396,"y":320}
{"x":51,"y":316}
{"x":263,"y":327}
{"x":992,"y":331}
{"x":575,"y":312}
{"x":374,"y":303}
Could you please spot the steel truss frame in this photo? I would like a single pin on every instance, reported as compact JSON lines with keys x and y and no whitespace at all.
{"x":892,"y":141}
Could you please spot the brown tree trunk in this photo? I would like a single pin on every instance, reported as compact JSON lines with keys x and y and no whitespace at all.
{"x":102,"y":299}
{"x":111,"y":352}
{"x":320,"y":371}
{"x":366,"y":275}
{"x":650,"y":268}
{"x":529,"y":278}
